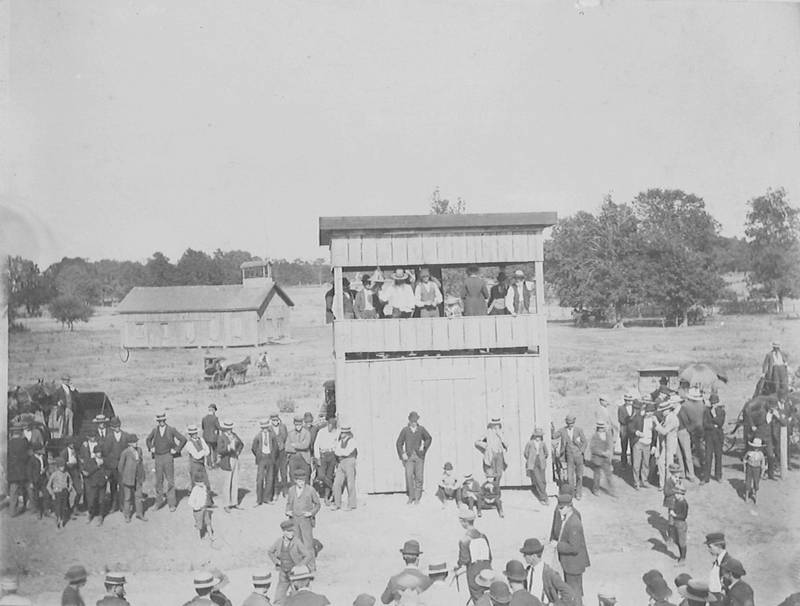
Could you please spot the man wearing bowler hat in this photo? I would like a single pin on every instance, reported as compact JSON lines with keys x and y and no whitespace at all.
{"x":302,"y":506}
{"x":515,"y":574}
{"x":541,"y":580}
{"x":165,"y":443}
{"x":261,"y":585}
{"x":265,"y":451}
{"x":411,"y":579}
{"x":76,"y":578}
{"x":573,"y":446}
{"x":412,"y":445}
{"x":570,"y":544}
{"x":286,"y":553}
{"x":115,"y":590}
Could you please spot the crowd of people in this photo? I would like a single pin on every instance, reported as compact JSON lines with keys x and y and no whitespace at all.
{"x":420,"y":294}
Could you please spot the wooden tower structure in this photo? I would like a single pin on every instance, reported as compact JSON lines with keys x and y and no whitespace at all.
{"x":456,"y":372}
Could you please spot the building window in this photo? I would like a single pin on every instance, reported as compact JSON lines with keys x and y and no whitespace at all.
{"x":165,"y":330}
{"x":139,"y":330}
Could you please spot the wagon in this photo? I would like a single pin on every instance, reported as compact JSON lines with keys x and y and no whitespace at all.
{"x":649,"y":379}
{"x":214,"y":372}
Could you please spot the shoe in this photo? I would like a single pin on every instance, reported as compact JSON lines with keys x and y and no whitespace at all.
{"x":410,"y":502}
{"x":142,"y":518}
{"x":128,"y":519}
{"x":226,"y":509}
{"x":89,"y":521}
{"x":59,"y":524}
{"x":173,"y":508}
{"x":703,"y":482}
{"x":257,"y":505}
{"x":99,"y":521}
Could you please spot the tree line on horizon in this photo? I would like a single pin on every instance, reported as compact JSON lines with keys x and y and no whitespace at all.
{"x":662,"y":250}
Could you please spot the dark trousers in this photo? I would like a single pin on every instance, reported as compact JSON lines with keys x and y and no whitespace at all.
{"x":198,"y":468}
{"x":15,"y":491}
{"x":575,"y":475}
{"x":298,"y":463}
{"x":39,"y":498}
{"x":538,"y":484}
{"x":61,"y":505}
{"x":94,"y":500}
{"x":165,"y":474}
{"x":279,"y":474}
{"x":713,"y":451}
{"x":77,"y":484}
{"x":415,"y":468}
{"x":211,"y":457}
{"x":575,"y":582}
{"x":752,"y":477}
{"x":265,"y":479}
{"x":114,"y":489}
{"x":626,"y":441}
{"x":327,"y":472}
{"x":132,"y":500}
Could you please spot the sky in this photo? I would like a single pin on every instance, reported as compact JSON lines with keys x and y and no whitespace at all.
{"x":145,"y":126}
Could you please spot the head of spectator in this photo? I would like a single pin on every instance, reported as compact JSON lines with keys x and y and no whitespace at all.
{"x":411,"y":552}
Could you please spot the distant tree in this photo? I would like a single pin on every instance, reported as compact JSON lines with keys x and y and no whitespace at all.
{"x":772,"y":229}
{"x":118,"y":277}
{"x":229,"y":263}
{"x":596,"y":262}
{"x":443,"y":206}
{"x":76,"y":278}
{"x":159,"y":271}
{"x":680,"y":236}
{"x":26,"y":286}
{"x":69,"y":309}
{"x":196,"y":267}
{"x":731,"y":254}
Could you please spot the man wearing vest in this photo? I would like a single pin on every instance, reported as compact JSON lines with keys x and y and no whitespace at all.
{"x":324,"y":456}
{"x":541,"y":580}
{"x":302,"y":506}
{"x":116,"y":441}
{"x":518,"y":297}
{"x":474,"y":553}
{"x":265,"y":450}
{"x":428,"y":296}
{"x":198,"y":450}
{"x":298,"y":448}
{"x":412,"y":444}
{"x":165,"y":443}
{"x":286,"y":553}
{"x":573,"y":446}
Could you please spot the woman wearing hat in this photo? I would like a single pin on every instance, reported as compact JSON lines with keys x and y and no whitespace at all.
{"x":229,"y":446}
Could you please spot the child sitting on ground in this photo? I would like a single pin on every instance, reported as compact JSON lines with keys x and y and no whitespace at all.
{"x":448,"y":485}
{"x":469,"y":492}
{"x":199,"y":501}
{"x":489,"y":496}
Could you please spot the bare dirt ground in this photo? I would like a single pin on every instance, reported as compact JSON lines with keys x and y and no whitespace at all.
{"x":361,"y":546}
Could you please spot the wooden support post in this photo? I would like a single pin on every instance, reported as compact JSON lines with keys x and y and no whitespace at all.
{"x":3,"y":379}
{"x":784,"y":449}
{"x":338,"y":295}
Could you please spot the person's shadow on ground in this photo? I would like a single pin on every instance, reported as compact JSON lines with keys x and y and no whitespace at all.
{"x":738,"y":485}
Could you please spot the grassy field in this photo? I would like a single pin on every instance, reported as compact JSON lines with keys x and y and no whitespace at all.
{"x":623,"y":543}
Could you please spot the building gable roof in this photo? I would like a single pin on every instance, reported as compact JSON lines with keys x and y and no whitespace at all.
{"x":206,"y":298}
{"x":339,"y":226}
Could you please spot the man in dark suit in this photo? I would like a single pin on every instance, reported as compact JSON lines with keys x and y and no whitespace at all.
{"x":573,"y":445}
{"x":715,"y":542}
{"x":541,"y":580}
{"x":713,"y":432}
{"x":410,"y":578}
{"x":165,"y":443}
{"x":571,"y":547}
{"x":265,"y":450}
{"x":736,"y":591}
{"x":116,"y":441}
{"x":626,"y":415}
{"x":17,"y":469}
{"x":412,"y":444}
{"x":211,"y":429}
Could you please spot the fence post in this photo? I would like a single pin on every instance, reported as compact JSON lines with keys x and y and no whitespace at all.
{"x":784,"y":451}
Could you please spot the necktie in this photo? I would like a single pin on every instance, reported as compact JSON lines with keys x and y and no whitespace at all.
{"x":516,"y":298}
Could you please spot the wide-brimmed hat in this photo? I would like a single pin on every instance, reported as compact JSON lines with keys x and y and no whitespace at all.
{"x":262,"y":580}
{"x":629,"y":395}
{"x":531,"y":546}
{"x":115,"y":578}
{"x":694,"y":394}
{"x":485,"y":577}
{"x":411,"y":547}
{"x":300,"y":572}
{"x":298,"y":418}
{"x":76,"y":574}
{"x":697,"y":591}
{"x":757,"y":443}
{"x":300,"y":473}
{"x":345,"y":429}
{"x":499,"y":592}
{"x":515,"y":571}
{"x":399,"y":275}
{"x":438,"y":568}
{"x":519,"y":274}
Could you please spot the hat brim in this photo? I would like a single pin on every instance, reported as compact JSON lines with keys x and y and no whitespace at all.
{"x":683,"y":591}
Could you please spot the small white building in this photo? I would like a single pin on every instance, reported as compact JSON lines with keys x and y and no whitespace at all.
{"x":247,"y":314}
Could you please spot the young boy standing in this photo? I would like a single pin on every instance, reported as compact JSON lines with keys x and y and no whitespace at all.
{"x":59,"y":486}
{"x":198,"y":501}
{"x":753,"y":468}
{"x":678,"y":512}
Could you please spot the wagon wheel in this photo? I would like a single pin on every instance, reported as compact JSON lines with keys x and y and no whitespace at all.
{"x":216,"y":380}
{"x":124,"y":354}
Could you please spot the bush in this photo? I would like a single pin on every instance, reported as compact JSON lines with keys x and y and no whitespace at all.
{"x":286,"y":404}
{"x":69,"y":309}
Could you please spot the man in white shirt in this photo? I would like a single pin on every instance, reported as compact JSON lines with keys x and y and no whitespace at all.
{"x":520,"y":298}
{"x":775,"y":369}
{"x":398,"y":296}
{"x":346,"y":452}
{"x":428,"y":296}
{"x":324,"y":456}
{"x":542,"y":581}
{"x":715,"y":542}
{"x":642,"y":449}
{"x":198,"y":450}
{"x":668,"y":432}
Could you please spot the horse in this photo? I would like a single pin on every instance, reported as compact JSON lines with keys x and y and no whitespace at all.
{"x":754,"y":413}
{"x":238,"y":370}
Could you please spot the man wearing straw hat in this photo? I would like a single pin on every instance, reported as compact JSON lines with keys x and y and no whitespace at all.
{"x":668,"y":436}
{"x":775,"y":369}
{"x":204,"y":582}
{"x":301,"y":583}
{"x":398,"y":296}
{"x":493,"y":448}
{"x":696,"y":593}
{"x":411,"y":579}
{"x":115,"y":590}
{"x":265,"y":451}
{"x":229,"y":448}
{"x":198,"y":450}
{"x":8,"y":593}
{"x":165,"y":443}
{"x":346,"y":452}
{"x":440,"y":592}
{"x":601,"y":452}
{"x":261,"y":585}
{"x":76,"y":578}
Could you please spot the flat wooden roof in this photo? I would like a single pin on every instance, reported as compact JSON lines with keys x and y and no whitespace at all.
{"x":330,"y":226}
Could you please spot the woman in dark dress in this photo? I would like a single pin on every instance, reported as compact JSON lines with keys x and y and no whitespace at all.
{"x":497,"y":296}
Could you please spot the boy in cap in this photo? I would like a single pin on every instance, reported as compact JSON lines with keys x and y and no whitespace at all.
{"x":286,"y":553}
{"x":76,"y":578}
{"x":678,"y":512}
{"x":115,"y":590}
{"x":601,"y":450}
{"x":198,"y":502}
{"x":716,"y":545}
{"x":448,"y":485}
{"x":410,"y":579}
{"x":753,"y":468}
{"x":211,"y":429}
{"x":412,"y":444}
{"x":95,"y":478}
{"x":37,"y":481}
{"x":59,"y":486}
{"x":302,"y":506}
{"x":573,"y":445}
{"x":468,"y":493}
{"x":301,"y":578}
{"x":489,"y":496}
{"x":131,"y":477}
{"x":261,"y":585}
{"x":536,"y":455}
